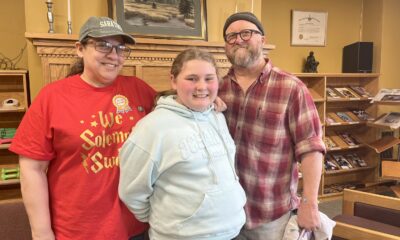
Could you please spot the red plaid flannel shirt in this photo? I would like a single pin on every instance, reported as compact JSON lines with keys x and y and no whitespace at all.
{"x":273,"y":124}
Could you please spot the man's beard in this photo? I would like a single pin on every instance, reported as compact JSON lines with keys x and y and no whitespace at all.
{"x":244,"y":60}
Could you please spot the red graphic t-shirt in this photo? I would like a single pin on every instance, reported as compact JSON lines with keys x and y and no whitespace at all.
{"x":80,"y":129}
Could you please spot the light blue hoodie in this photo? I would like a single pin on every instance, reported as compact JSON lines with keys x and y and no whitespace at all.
{"x":178,"y":174}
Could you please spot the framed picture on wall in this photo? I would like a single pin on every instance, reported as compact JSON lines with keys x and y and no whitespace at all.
{"x":160,"y":18}
{"x":309,"y":28}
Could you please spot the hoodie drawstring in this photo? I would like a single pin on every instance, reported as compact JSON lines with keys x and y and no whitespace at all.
{"x":209,"y":165}
{"x":217,"y":130}
{"x":231,"y":161}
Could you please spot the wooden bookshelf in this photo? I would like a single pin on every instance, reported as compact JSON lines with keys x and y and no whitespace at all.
{"x":317,"y":84}
{"x":13,"y":85}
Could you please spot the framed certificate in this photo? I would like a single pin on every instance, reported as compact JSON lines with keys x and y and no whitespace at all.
{"x":309,"y":28}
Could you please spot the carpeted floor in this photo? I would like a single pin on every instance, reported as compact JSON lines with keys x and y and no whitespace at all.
{"x":331,"y":208}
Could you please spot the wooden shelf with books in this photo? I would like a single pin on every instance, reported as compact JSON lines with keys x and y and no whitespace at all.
{"x":345,"y":114}
{"x":14,"y":101}
{"x":388,"y":122}
{"x":333,"y":172}
{"x":9,"y":174}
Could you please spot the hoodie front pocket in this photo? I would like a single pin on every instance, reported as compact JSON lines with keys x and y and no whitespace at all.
{"x":220,"y":212}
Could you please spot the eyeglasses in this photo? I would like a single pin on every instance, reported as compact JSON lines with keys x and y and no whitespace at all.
{"x":106,"y":47}
{"x":245,"y":35}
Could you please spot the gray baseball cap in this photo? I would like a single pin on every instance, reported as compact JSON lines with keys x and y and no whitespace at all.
{"x":98,"y":27}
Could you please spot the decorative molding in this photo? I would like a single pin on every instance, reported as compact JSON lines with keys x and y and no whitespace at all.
{"x":148,"y":59}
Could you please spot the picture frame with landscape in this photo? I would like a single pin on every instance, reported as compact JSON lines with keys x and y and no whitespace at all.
{"x":174,"y":19}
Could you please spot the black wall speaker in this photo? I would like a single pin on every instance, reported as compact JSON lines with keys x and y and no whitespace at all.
{"x":357,"y":58}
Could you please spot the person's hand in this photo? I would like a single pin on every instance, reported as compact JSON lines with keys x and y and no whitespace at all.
{"x":308,"y":215}
{"x":219,"y":105}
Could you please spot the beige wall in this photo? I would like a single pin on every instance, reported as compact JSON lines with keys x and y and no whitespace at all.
{"x":219,"y":11}
{"x":12,"y":28}
{"x":390,"y":45}
{"x":372,"y":29}
{"x":343,"y":28}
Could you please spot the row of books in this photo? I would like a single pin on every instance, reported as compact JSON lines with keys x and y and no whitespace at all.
{"x":7,"y":132}
{"x":337,"y":140}
{"x":351,"y":116}
{"x":337,"y":188}
{"x":346,"y":161}
{"x":390,"y":119}
{"x":347,"y":92}
{"x":6,"y":135}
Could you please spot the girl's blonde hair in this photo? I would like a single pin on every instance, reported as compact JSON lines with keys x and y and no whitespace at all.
{"x":183,"y":57}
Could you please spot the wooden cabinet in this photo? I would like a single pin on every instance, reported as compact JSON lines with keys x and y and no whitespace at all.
{"x":345,"y":133}
{"x":14,"y":101}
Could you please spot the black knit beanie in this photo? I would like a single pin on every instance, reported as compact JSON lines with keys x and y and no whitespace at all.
{"x":247,"y":16}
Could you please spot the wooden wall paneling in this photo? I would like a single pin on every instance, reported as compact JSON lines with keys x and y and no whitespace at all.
{"x":157,"y":77}
{"x":150,"y":60}
{"x":131,"y":70}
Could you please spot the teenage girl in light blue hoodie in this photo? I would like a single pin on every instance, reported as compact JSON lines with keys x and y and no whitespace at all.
{"x":177,"y":166}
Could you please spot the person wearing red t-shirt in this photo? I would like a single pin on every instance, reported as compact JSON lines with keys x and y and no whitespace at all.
{"x":70,"y":137}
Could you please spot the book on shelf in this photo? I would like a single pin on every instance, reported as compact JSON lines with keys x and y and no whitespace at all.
{"x":330,"y":144}
{"x":347,"y":92}
{"x":333,"y":118}
{"x":355,"y":160}
{"x":330,"y":121}
{"x":361,"y":91}
{"x":348,"y":139}
{"x":338,"y":187}
{"x":330,"y":163}
{"x":391,"y":98}
{"x":331,"y":93}
{"x":345,"y":117}
{"x":5,"y":140}
{"x":390,"y":95}
{"x":336,"y":139}
{"x":7,"y":132}
{"x":390,"y":119}
{"x":362,"y":115}
{"x":330,"y":190}
{"x":342,"y":161}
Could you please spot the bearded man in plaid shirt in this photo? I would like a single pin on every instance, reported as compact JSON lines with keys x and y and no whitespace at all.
{"x":275,"y":124}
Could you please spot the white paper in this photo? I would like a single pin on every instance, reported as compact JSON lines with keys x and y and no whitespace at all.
{"x":309,"y":28}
